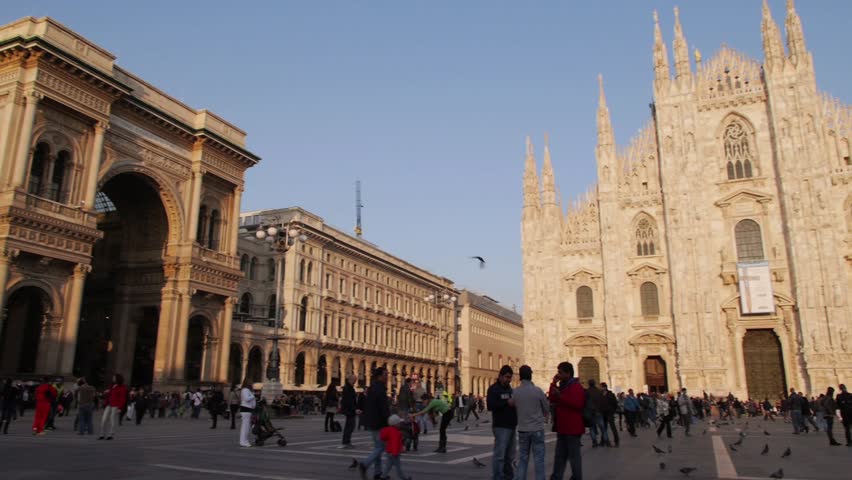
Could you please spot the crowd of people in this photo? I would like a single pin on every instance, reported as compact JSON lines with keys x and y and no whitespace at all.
{"x":520,"y":416}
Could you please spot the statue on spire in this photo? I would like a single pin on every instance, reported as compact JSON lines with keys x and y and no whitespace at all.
{"x":605,"y":135}
{"x":773,"y":49}
{"x":531,"y":185}
{"x":681,"y":50}
{"x":661,"y":57}
{"x":795,"y":35}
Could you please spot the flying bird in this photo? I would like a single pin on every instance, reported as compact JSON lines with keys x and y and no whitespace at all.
{"x":765,"y":449}
{"x":658,"y":450}
{"x":477,"y":462}
{"x":787,"y":453}
{"x":687,"y":470}
{"x":481,"y":261}
{"x":662,"y":465}
{"x":778,"y":474}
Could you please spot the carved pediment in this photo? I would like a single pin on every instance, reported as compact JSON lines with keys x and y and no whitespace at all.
{"x":585,"y":339}
{"x":743,"y":196}
{"x":646,"y":268}
{"x":583,"y":273}
{"x":654,"y":338}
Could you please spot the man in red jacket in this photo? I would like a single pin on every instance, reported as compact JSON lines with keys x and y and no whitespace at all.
{"x":45,"y":395}
{"x":568,"y":398}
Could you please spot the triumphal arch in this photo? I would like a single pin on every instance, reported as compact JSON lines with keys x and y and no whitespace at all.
{"x":119,"y":208}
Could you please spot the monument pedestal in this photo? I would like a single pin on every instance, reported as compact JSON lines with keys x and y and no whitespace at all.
{"x":270,"y":390}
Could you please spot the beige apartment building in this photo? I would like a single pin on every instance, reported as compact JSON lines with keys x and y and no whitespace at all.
{"x":714,"y":251}
{"x":489,"y":336}
{"x":118,"y":218}
{"x":348,"y":307}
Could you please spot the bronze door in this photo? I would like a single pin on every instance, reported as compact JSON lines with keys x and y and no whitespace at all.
{"x":764,"y":365}
{"x":655,"y":375}
{"x":587,"y":369}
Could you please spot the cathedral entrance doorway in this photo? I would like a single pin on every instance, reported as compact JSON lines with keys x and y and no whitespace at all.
{"x":25,"y":315}
{"x":121,"y":303}
{"x":655,"y":375}
{"x":764,"y":364}
{"x":588,"y":369}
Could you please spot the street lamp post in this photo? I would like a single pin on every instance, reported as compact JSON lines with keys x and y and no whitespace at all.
{"x":279,"y":238}
{"x":439,"y":299}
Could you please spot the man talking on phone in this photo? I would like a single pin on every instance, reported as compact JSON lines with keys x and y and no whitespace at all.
{"x":568,"y":399}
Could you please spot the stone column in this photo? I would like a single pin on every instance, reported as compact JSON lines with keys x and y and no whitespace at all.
{"x":48,"y":345}
{"x":168,"y":308}
{"x":95,"y":164}
{"x":7,"y":256}
{"x":234,"y":224}
{"x":25,"y":140}
{"x":225,"y":346}
{"x":194,"y":201}
{"x":739,"y":367}
{"x":181,"y":331}
{"x":72,"y":318}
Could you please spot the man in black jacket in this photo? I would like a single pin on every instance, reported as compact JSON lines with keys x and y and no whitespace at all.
{"x":349,"y":409}
{"x":609,"y":404}
{"x":377,"y":412}
{"x":504,"y":420}
{"x":844,"y":404}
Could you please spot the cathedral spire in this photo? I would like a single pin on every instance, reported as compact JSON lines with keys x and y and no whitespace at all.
{"x":681,"y":50}
{"x":661,"y":57}
{"x":605,"y":135}
{"x":795,"y":35}
{"x":548,"y":184}
{"x":773,"y":49}
{"x":531,"y":185}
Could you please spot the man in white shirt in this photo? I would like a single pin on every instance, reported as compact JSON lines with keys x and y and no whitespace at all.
{"x":196,"y":399}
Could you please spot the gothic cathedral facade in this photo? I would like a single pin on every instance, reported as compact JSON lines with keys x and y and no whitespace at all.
{"x":714,"y":251}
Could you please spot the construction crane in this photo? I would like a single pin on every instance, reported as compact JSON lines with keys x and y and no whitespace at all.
{"x":358,"y":206}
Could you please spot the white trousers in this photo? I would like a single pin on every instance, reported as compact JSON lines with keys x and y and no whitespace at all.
{"x":110,"y":415}
{"x":245,"y":429}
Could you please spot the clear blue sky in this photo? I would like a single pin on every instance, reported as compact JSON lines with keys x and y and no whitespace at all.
{"x":426,"y":102}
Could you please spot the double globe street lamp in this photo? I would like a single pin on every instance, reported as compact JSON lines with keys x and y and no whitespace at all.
{"x":439,"y":299}
{"x":280,"y":239}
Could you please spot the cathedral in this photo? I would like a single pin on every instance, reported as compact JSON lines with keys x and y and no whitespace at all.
{"x":715,"y":251}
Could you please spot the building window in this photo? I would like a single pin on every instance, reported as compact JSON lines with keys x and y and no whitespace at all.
{"x":585,"y":303}
{"x":310,"y":275}
{"x":213,"y":230}
{"x":244,"y":264}
{"x":749,"y":243}
{"x":302,"y":271}
{"x":737,"y":151}
{"x":650,"y":299}
{"x":253,"y":269}
{"x":378,"y":297}
{"x":270,"y":270}
{"x":646,"y":237}
{"x":272,"y":307}
{"x":303,"y":314}
{"x":325,"y":325}
{"x":328,"y":281}
{"x":245,"y":303}
{"x":40,"y":159}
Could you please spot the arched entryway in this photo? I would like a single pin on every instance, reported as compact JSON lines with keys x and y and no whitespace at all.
{"x":764,"y":364}
{"x":25,"y":314}
{"x":254,"y":368}
{"x":588,"y":369}
{"x":235,"y":365}
{"x":322,"y":371}
{"x":299,"y":371}
{"x":362,"y":374}
{"x":655,"y":374}
{"x":121,"y":303}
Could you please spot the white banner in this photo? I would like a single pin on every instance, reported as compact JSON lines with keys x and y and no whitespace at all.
{"x":755,"y":288}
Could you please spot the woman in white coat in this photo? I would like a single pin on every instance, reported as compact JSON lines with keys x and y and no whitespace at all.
{"x":247,"y":405}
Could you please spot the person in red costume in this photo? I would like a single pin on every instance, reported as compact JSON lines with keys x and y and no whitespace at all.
{"x":116,"y":400}
{"x":568,"y":398}
{"x":45,"y":394}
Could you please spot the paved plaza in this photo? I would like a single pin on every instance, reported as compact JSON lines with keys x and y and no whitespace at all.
{"x":187,"y":449}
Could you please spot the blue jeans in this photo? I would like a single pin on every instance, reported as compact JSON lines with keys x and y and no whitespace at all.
{"x":527,"y":441}
{"x":567,"y":450}
{"x":598,"y":426}
{"x":504,"y":453}
{"x":85,"y":419}
{"x":798,"y":421}
{"x":393,"y":462}
{"x":375,"y":457}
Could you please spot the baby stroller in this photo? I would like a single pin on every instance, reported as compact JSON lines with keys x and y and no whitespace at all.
{"x":264,"y":430}
{"x":410,"y":434}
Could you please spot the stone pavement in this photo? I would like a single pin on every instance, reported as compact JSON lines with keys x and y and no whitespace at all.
{"x":187,"y":449}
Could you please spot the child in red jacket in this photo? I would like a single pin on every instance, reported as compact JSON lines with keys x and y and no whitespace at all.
{"x":392,"y":437}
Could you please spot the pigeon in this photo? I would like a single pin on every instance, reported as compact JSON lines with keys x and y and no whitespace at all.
{"x":477,"y":462}
{"x":658,"y":450}
{"x":466,"y":427}
{"x":354,"y":463}
{"x":732,"y":447}
{"x":765,"y":449}
{"x":766,"y":433}
{"x":662,"y":465}
{"x":670,"y":449}
{"x":742,"y":434}
{"x":787,"y":453}
{"x":778,"y":474}
{"x":481,"y":261}
{"x":738,"y":442}
{"x":687,"y":470}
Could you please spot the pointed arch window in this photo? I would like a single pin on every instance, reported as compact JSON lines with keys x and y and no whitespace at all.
{"x":749,"y":241}
{"x":646,"y":238}
{"x":585,"y":303}
{"x":738,"y":152}
{"x":650,"y":299}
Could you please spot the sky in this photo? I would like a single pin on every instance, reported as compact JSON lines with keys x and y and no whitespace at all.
{"x":427,"y":103}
